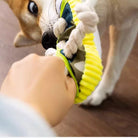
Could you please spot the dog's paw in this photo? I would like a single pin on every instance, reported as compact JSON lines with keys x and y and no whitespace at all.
{"x":88,"y":17}
{"x":95,"y":99}
{"x":98,"y":96}
{"x":50,"y":52}
{"x":59,"y":27}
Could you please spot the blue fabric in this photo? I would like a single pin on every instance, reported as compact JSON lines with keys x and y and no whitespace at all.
{"x":67,"y":15}
{"x":69,"y":60}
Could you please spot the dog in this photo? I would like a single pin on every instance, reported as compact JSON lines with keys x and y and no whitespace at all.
{"x":38,"y":19}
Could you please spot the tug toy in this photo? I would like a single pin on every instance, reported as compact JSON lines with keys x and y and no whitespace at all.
{"x":88,"y":79}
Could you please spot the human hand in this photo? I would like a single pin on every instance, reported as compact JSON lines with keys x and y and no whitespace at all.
{"x":41,"y":83}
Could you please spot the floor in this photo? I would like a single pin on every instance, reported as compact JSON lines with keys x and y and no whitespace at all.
{"x":117,"y":116}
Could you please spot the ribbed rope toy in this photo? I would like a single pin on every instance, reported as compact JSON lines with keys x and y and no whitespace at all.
{"x":92,"y":73}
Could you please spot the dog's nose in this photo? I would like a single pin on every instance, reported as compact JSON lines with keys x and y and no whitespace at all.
{"x":49,"y":40}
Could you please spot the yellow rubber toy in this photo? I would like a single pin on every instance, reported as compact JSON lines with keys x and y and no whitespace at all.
{"x":93,"y":65}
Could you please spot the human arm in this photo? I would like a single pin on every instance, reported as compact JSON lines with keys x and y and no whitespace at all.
{"x":41,"y":83}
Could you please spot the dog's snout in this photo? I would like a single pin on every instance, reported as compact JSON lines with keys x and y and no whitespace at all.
{"x":49,"y":40}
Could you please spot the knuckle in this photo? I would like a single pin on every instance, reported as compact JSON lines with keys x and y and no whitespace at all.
{"x":58,"y":62}
{"x":15,"y":65}
{"x":32,"y":56}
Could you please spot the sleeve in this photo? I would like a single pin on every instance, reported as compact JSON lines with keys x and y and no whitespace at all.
{"x":18,"y":119}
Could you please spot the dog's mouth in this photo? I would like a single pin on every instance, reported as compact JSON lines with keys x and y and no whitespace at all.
{"x":49,"y":40}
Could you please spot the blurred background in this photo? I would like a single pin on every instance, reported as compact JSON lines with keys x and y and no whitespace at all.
{"x":117,"y":116}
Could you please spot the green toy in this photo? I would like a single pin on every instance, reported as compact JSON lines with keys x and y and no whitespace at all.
{"x":86,"y":81}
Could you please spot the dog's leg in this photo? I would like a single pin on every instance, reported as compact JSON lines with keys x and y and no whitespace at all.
{"x":121,"y":43}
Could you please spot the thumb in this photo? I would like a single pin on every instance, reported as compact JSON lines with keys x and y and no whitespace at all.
{"x":71,"y":87}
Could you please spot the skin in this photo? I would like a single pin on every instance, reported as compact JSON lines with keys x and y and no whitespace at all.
{"x":41,"y":83}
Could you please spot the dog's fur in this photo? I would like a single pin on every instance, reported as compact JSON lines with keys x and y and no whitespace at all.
{"x":120,"y":15}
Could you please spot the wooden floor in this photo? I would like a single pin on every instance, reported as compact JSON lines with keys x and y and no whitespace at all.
{"x":117,"y":116}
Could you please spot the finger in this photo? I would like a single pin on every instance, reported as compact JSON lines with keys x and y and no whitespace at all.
{"x":58,"y":63}
{"x":53,"y":62}
{"x":71,"y":86}
{"x":30,"y":57}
